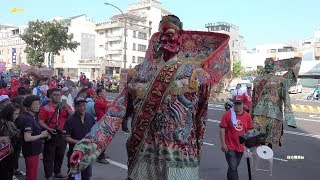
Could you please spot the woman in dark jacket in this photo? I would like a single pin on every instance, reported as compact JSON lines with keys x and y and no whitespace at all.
{"x":8,"y":128}
{"x":32,"y":136}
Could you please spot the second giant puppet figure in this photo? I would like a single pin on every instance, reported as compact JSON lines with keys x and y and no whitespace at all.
{"x":167,"y":97}
{"x":271,"y":101}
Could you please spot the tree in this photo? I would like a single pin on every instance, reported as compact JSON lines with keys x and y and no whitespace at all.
{"x":46,"y":37}
{"x":260,"y":70}
{"x":237,"y":68}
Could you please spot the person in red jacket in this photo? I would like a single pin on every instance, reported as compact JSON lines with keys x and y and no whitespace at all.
{"x":101,"y":103}
{"x":101,"y":107}
{"x":247,"y":98}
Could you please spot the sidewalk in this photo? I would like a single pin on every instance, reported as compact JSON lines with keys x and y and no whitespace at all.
{"x":220,"y":98}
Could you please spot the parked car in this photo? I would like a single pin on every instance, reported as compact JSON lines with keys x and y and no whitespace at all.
{"x":295,"y":89}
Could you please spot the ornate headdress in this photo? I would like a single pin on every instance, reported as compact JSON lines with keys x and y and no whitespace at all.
{"x":209,"y":50}
{"x":172,"y":21}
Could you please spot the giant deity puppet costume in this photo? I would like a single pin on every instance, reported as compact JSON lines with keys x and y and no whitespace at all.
{"x":167,"y":97}
{"x":271,"y":104}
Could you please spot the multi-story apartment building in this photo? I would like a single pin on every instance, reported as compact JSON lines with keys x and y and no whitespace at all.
{"x":317,"y":44}
{"x":251,"y":60}
{"x":12,"y":46}
{"x":83,"y":59}
{"x":151,"y":10}
{"x":120,"y":48}
{"x":236,"y":42}
{"x":112,"y":46}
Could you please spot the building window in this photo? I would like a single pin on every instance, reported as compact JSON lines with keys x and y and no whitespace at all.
{"x":133,"y":59}
{"x":140,"y":59}
{"x":142,"y":35}
{"x":273,"y":51}
{"x":134,"y":34}
{"x":134,"y":46}
{"x":142,"y":48}
{"x":125,"y":45}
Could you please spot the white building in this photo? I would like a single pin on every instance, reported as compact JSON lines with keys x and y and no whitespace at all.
{"x":12,"y":46}
{"x":236,"y":42}
{"x":250,"y":60}
{"x":142,"y":20}
{"x":317,"y":44}
{"x":83,"y":59}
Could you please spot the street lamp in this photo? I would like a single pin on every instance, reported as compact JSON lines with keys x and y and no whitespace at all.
{"x":125,"y":34}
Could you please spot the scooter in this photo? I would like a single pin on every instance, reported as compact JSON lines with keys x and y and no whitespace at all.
{"x":313,"y":97}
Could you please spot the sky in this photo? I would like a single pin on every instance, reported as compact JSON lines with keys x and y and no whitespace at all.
{"x":260,"y":22}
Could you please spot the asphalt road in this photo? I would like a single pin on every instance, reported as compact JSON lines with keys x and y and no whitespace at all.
{"x":303,"y":141}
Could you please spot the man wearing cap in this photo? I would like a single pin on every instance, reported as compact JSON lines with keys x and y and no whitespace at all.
{"x":66,"y":96}
{"x":234,"y":123}
{"x":76,"y":127}
{"x":247,"y":96}
{"x":4,"y":101}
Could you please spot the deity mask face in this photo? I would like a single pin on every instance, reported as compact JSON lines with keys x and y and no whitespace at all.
{"x":169,"y":39}
{"x":269,"y":65}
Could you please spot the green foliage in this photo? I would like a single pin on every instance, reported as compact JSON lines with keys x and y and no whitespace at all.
{"x":43,"y":37}
{"x":260,"y":70}
{"x":237,"y":68}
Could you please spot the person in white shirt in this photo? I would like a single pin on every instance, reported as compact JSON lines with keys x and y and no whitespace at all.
{"x":238,"y":91}
{"x":67,"y":96}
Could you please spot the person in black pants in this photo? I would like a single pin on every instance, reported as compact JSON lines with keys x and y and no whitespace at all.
{"x":76,"y":127}
{"x":7,"y":128}
{"x":52,"y":118}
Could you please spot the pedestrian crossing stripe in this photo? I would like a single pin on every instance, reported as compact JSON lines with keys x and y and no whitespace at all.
{"x":295,"y":108}
{"x":305,"y":108}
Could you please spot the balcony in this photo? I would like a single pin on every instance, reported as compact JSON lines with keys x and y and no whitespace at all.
{"x":90,"y":62}
{"x":115,"y":51}
{"x":113,"y":63}
{"x":108,"y":25}
{"x":114,"y":38}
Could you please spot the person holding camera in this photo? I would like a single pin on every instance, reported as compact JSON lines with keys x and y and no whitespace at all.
{"x":76,"y":127}
{"x":234,"y":123}
{"x":33,"y":136}
{"x":52,"y":117}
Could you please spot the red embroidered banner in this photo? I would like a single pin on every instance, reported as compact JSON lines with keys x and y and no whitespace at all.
{"x":4,"y":151}
{"x":149,"y":108}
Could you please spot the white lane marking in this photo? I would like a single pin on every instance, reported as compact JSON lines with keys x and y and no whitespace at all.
{"x":218,"y":109}
{"x":287,"y":132}
{"x":209,"y":144}
{"x":280,"y":159}
{"x":302,"y":134}
{"x":123,"y":166}
{"x":314,"y":116}
{"x":304,"y":119}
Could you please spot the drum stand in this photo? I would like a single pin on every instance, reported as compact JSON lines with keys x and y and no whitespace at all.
{"x":248,"y":155}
